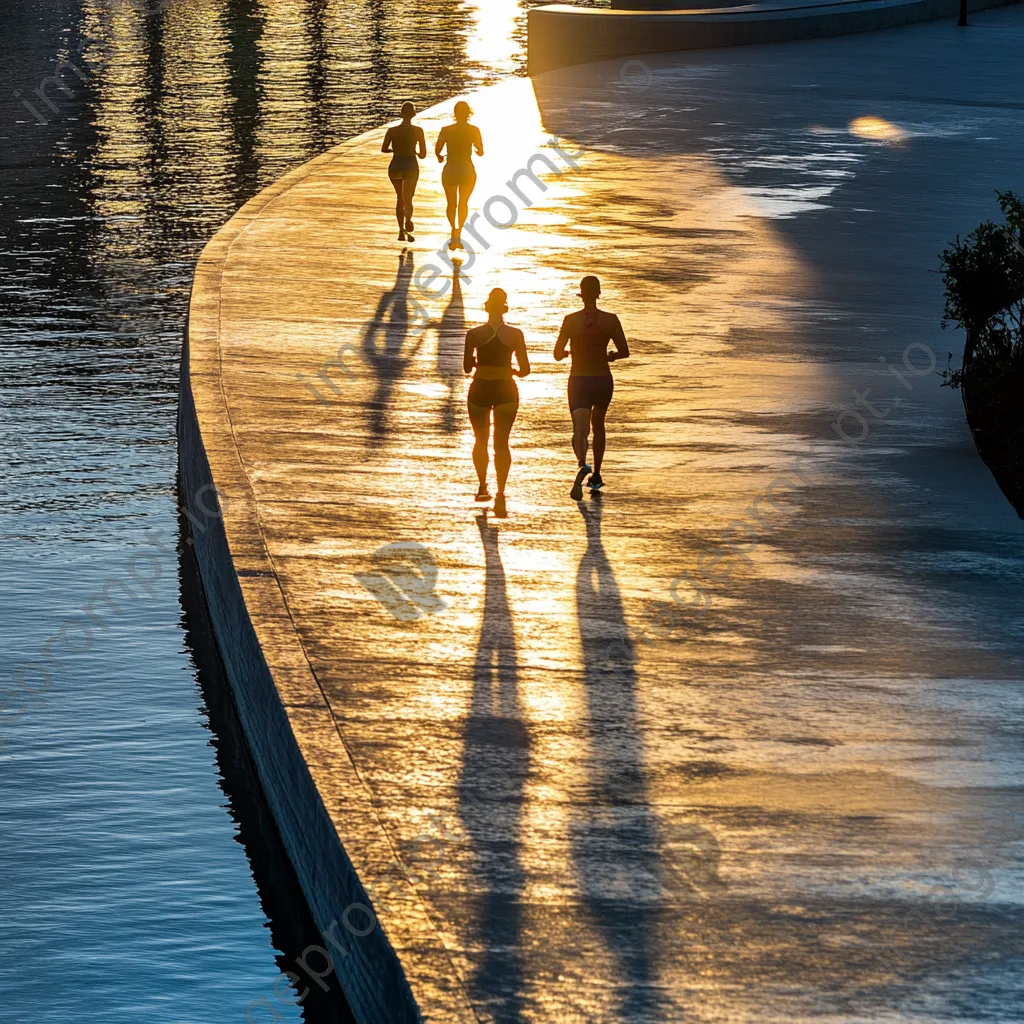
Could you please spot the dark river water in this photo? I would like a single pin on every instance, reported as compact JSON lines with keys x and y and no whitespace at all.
{"x":139,"y":882}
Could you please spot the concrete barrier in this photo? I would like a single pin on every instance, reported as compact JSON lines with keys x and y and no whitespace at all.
{"x":560,"y":36}
{"x":370,"y":973}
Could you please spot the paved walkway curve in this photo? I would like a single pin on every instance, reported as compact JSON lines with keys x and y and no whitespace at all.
{"x":737,"y":741}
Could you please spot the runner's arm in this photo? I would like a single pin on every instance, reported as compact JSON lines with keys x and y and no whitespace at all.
{"x":468,"y":360}
{"x":440,"y":145}
{"x":386,"y":144}
{"x":421,"y":143}
{"x":619,"y":341}
{"x":478,"y":141}
{"x":522,"y":357}
{"x":563,"y":340}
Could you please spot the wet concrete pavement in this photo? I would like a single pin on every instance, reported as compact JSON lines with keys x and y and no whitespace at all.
{"x":738,"y":740}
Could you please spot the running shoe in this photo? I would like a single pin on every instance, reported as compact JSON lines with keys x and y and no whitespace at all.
{"x":500,"y":511}
{"x":596,"y":483}
{"x":577,"y":488}
{"x":483,"y":494}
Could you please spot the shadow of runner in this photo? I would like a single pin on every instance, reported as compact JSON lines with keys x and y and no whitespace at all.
{"x":389,"y":360}
{"x":614,"y":836}
{"x":495,"y":765}
{"x":451,"y":339}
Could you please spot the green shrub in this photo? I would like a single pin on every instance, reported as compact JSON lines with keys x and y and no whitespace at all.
{"x":984,"y":279}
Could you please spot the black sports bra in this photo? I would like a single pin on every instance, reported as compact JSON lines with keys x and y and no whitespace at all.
{"x":494,"y":352}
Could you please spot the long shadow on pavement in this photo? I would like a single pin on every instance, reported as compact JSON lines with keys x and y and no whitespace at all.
{"x":389,"y":360}
{"x":451,"y":337}
{"x":614,"y":838}
{"x":496,"y":762}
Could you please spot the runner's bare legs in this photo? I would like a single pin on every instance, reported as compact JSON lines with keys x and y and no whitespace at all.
{"x":451,"y":193}
{"x":581,"y":433}
{"x":504,"y":417}
{"x":480,"y":417}
{"x":597,"y":417}
{"x":399,"y":202}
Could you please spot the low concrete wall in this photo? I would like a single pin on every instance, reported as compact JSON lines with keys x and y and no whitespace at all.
{"x":371,"y":976}
{"x":560,"y":36}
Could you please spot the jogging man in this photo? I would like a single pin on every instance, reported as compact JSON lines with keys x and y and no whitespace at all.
{"x":585,"y":335}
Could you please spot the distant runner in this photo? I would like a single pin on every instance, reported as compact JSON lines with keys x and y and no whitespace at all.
{"x":587,"y":333}
{"x":488,"y":356}
{"x":406,"y":142}
{"x":459,"y":174}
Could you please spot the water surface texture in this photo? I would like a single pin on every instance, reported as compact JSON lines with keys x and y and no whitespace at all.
{"x":125,"y":897}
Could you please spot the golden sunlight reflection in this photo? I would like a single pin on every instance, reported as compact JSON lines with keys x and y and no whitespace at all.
{"x":492,"y":42}
{"x":877,"y":129}
{"x":285,"y":48}
{"x":123,"y":141}
{"x":187,"y":138}
{"x":514,"y":652}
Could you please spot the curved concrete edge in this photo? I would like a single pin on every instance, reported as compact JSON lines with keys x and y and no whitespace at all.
{"x":280,"y":703}
{"x":560,"y":36}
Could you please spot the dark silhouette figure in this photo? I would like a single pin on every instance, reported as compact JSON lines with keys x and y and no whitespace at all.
{"x":584,"y":336}
{"x":495,"y":766}
{"x":451,"y":335}
{"x":459,"y":174}
{"x":384,"y":344}
{"x":614,"y":837}
{"x":488,"y":356}
{"x":408,"y":146}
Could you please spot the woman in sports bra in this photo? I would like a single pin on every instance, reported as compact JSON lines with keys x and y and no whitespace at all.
{"x":459,"y":174}
{"x":488,"y":356}
{"x":406,"y":142}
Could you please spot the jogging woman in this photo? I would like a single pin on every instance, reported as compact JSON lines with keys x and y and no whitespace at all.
{"x":587,"y":333}
{"x":406,"y":142}
{"x":489,"y":351}
{"x":459,"y":174}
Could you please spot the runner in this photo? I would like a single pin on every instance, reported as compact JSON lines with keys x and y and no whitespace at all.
{"x":587,"y":333}
{"x":459,"y":174}
{"x":489,"y":350}
{"x":406,"y":142}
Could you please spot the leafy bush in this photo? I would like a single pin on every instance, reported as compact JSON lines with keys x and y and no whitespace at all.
{"x":984,"y":279}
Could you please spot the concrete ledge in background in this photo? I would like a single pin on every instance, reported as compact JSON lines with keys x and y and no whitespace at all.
{"x":560,"y":35}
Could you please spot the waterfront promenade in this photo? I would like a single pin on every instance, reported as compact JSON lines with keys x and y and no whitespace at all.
{"x":738,"y":740}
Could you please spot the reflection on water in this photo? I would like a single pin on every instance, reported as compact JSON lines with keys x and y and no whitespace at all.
{"x":118,"y":862}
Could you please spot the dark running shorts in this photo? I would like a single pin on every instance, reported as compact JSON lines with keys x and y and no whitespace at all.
{"x":404,"y":168}
{"x":485,"y":394}
{"x":590,"y":392}
{"x":462,"y":175}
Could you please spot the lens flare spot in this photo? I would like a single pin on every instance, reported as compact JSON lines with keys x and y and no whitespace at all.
{"x":877,"y":129}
